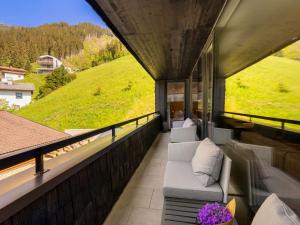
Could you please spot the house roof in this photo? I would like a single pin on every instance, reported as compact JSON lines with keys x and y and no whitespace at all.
{"x":47,"y":56}
{"x":17,"y":87}
{"x":18,"y":133}
{"x":12,"y":70}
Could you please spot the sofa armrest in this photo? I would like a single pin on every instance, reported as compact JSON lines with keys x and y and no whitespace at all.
{"x":182,"y":151}
{"x":185,"y":134}
{"x":225,"y":177}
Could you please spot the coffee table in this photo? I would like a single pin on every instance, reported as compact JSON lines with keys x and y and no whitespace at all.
{"x":181,"y":211}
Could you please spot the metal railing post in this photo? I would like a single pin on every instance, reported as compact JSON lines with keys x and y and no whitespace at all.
{"x":282,"y":129}
{"x":282,"y":125}
{"x":39,"y":164}
{"x":113,"y":132}
{"x":137,"y":122}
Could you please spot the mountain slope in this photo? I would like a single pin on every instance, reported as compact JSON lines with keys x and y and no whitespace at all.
{"x":20,"y":46}
{"x":268,"y":88}
{"x":100,"y":96}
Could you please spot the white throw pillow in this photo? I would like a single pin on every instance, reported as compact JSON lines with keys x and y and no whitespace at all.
{"x":207,"y":162}
{"x":188,"y":123}
{"x":275,"y":212}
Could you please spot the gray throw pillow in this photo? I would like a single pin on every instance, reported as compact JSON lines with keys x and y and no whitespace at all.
{"x":275,"y":212}
{"x":207,"y":162}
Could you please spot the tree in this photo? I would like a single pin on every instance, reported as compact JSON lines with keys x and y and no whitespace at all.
{"x":4,"y":105}
{"x":58,"y":78}
{"x":28,"y":67}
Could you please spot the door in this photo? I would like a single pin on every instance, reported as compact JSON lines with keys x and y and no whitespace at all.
{"x":176,"y":101}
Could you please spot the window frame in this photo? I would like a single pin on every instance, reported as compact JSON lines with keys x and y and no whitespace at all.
{"x":19,"y":95}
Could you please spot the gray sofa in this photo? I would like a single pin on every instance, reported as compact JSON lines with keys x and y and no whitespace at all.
{"x":254,"y":173}
{"x":183,"y":134}
{"x":180,"y":181}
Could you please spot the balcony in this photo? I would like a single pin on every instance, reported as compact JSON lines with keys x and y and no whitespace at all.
{"x":45,"y":62}
{"x":118,"y":179}
{"x":81,"y":185}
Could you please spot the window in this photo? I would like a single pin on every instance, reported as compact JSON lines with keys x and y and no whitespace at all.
{"x":268,"y":88}
{"x":176,"y":100}
{"x":271,"y":164}
{"x":197,"y":94}
{"x":19,"y":95}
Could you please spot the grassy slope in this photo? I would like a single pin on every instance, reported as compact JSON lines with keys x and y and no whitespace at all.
{"x":37,"y":79}
{"x":75,"y":106}
{"x":258,"y":92}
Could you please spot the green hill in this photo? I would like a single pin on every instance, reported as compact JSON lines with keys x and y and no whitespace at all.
{"x":37,"y":79}
{"x":268,"y":88}
{"x":121,"y":89}
{"x":100,"y":96}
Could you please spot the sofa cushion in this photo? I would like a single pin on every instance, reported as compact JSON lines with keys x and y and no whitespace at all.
{"x":207,"y":162}
{"x":188,"y":123}
{"x":180,"y":182}
{"x":275,"y":212}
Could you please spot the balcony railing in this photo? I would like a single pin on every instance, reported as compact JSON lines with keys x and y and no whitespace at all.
{"x":250,"y":118}
{"x":45,"y":62}
{"x":14,"y":158}
{"x":81,"y":186}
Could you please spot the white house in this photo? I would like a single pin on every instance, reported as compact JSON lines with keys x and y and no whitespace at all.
{"x":16,"y":94}
{"x":47,"y":64}
{"x":11,"y":74}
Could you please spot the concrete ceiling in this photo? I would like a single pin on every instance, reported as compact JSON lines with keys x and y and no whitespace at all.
{"x":166,"y":36}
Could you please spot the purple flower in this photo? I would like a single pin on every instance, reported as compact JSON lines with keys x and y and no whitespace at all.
{"x":212,"y":214}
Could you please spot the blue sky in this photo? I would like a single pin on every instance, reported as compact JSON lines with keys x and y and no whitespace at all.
{"x":31,"y":13}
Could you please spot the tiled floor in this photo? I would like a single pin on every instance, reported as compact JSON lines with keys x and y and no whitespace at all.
{"x":141,"y":202}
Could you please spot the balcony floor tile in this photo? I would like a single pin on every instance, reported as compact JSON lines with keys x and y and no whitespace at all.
{"x":142,"y":200}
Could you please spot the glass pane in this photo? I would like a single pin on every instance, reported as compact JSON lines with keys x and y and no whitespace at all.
{"x":270,"y":163}
{"x":209,"y":84}
{"x":197,"y":96}
{"x":176,"y":100}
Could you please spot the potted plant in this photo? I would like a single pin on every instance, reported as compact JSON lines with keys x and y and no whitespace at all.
{"x":216,"y":214}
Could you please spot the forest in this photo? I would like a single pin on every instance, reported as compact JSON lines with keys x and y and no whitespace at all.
{"x":20,"y":46}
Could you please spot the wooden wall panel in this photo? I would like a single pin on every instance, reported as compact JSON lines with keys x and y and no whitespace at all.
{"x":87,"y":197}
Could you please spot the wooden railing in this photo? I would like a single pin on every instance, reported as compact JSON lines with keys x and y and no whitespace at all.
{"x":17,"y":157}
